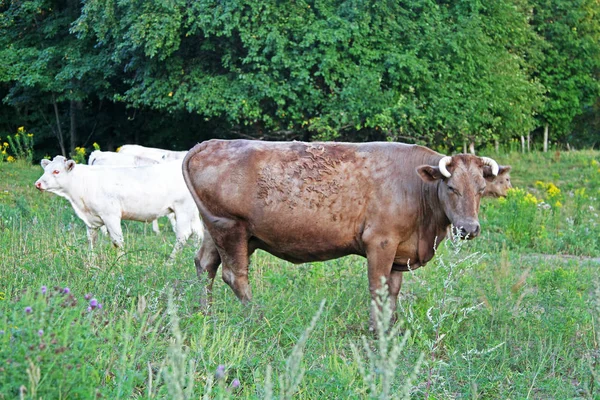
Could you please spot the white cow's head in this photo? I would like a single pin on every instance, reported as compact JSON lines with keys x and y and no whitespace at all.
{"x":56,"y":175}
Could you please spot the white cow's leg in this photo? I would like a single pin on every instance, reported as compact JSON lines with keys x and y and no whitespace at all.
{"x":113,"y":225}
{"x":182,"y":232}
{"x":173,"y":221}
{"x":92,"y":235}
{"x":155,"y":227}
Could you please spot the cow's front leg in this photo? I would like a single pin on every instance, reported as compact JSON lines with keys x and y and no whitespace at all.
{"x":92,"y":235}
{"x":155,"y":227}
{"x":394,"y":286}
{"x":380,"y":258}
{"x":113,"y":226}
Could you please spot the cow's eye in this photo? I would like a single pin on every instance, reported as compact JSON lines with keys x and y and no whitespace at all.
{"x":55,"y":172}
{"x":453,"y":189}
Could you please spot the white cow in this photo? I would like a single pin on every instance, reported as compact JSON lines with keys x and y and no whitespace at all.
{"x":104,"y":195}
{"x":98,"y":157}
{"x":151,"y":152}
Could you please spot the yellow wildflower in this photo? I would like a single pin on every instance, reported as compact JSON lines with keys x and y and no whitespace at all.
{"x":594,"y":163}
{"x":21,"y":129}
{"x":5,"y":144}
{"x":170,"y":94}
{"x":529,"y":198}
{"x":30,"y":135}
{"x":10,"y":159}
{"x":118,"y":148}
{"x":552,"y":190}
{"x":96,"y":146}
{"x":558,"y":204}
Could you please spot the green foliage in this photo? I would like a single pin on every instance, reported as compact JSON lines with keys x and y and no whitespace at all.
{"x":571,"y":59}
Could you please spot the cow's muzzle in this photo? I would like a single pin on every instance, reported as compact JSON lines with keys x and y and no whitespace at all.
{"x":38,"y":186}
{"x":469,"y":230}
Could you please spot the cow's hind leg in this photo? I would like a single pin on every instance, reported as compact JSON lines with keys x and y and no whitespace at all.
{"x":234,"y":251}
{"x":207,"y":261}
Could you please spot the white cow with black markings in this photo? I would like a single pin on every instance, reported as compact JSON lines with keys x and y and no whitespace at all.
{"x":104,"y":195}
{"x":160,"y":155}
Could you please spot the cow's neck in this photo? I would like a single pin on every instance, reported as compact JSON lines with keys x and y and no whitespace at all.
{"x":434,"y":223}
{"x":77,"y":192}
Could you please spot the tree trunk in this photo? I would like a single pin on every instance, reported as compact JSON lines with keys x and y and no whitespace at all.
{"x":465,"y":146}
{"x":522,"y":144}
{"x":497,"y":146}
{"x":472,"y":147}
{"x":528,"y":142}
{"x":545,"y":138}
{"x":73,"y":129}
{"x":59,"y":133}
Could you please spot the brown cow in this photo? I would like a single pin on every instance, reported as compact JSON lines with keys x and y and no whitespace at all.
{"x":302,"y":202}
{"x":499,"y":186}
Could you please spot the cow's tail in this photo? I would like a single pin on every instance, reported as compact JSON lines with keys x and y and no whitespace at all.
{"x":185,"y":166}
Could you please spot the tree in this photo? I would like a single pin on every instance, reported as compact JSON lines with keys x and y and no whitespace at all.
{"x":50,"y":71}
{"x":571,"y":63}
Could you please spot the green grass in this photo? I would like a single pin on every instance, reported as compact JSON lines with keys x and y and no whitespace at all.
{"x":511,"y":314}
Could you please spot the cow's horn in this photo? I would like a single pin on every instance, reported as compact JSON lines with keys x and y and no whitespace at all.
{"x":491,"y":163}
{"x":442,"y":165}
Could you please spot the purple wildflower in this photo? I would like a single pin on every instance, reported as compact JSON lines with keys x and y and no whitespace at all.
{"x":89,"y":309}
{"x":66,"y":290}
{"x":88,"y":296}
{"x":44,"y":289}
{"x":99,"y":306}
{"x":93,"y":303}
{"x":41,"y":332}
{"x":28,"y":310}
{"x":236,"y":383}
{"x":220,"y":372}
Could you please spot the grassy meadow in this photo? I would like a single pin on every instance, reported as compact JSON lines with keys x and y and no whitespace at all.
{"x":512,"y":314}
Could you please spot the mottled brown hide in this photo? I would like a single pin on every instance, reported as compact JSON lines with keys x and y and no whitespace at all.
{"x":307,"y":202}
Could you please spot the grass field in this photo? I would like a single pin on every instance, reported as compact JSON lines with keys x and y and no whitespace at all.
{"x":511,"y":314}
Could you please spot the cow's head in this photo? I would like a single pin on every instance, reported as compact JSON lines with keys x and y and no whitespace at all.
{"x":56,"y":174}
{"x":462,"y":180}
{"x":499,"y":186}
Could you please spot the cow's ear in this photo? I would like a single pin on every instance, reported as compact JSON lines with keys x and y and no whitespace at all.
{"x":69,"y":165}
{"x":44,"y":162}
{"x":429,"y":173}
{"x":504,"y":169}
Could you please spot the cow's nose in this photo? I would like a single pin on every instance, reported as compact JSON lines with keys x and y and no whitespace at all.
{"x":470,"y":230}
{"x":38,"y":185}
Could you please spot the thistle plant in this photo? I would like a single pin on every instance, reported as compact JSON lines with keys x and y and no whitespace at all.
{"x":378,"y":369}
{"x":445,"y":314}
